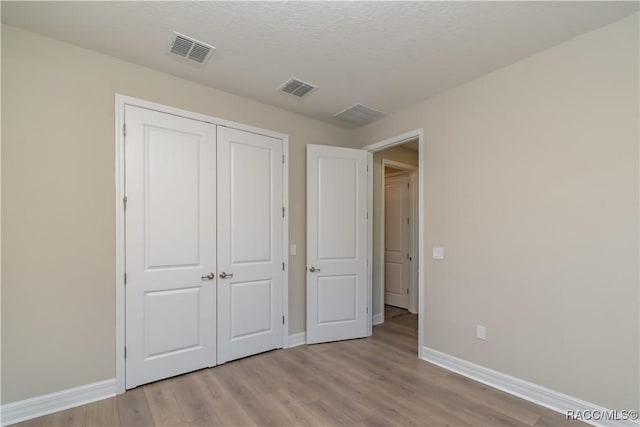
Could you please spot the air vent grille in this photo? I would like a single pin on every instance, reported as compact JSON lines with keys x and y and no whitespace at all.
{"x":297,"y":87}
{"x":190,"y":48}
{"x":359,"y":114}
{"x":181,"y":46}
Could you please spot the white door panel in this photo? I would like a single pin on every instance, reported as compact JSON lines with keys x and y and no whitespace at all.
{"x":336,"y":243}
{"x":397,"y":241}
{"x":170,"y":245}
{"x":337,"y":298}
{"x":337,"y":210}
{"x":250,"y":224}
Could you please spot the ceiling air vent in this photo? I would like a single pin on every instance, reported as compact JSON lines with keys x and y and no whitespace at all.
{"x":190,"y":48}
{"x":297,"y":87}
{"x":359,"y":114}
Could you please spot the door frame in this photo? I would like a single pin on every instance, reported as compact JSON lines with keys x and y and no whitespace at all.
{"x":381,"y":145}
{"x":409,"y":170}
{"x":120,"y":102}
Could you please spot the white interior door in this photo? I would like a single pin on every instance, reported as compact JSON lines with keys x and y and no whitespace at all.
{"x":250,"y":256}
{"x":170,"y":245}
{"x":397,"y":241}
{"x":336,"y":243}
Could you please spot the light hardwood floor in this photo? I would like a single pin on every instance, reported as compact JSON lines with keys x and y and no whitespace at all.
{"x":376,"y":381}
{"x":390,"y":312}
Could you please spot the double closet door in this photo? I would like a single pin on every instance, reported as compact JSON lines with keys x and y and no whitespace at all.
{"x":204,"y":236}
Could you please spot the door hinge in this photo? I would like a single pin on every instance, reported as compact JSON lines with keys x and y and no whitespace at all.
{"x":283,"y":212}
{"x":367,"y":215}
{"x":367,"y":311}
{"x":125,"y":351}
{"x":283,"y":266}
{"x":283,"y":320}
{"x":283,"y":159}
{"x":407,"y":291}
{"x":407,"y":185}
{"x":124,"y":129}
{"x":367,"y":168}
{"x":125,"y":278}
{"x":124,"y":202}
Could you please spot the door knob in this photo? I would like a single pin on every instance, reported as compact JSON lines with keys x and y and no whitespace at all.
{"x":209,"y":276}
{"x":313,"y":269}
{"x":224,"y":275}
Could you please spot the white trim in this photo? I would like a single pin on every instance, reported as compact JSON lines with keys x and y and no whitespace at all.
{"x":120,"y":245}
{"x":413,"y":178}
{"x":409,"y":170}
{"x":378,"y":318}
{"x":390,"y":142}
{"x":120,"y":102}
{"x":396,"y":140}
{"x":535,"y":393}
{"x":370,"y":322}
{"x":285,"y":242}
{"x":298,"y":339}
{"x":123,"y":99}
{"x":27,"y":409}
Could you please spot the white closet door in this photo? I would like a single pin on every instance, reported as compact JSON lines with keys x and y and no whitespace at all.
{"x":250,"y":260}
{"x":170,"y":245}
{"x":397,"y":241}
{"x":336,"y":243}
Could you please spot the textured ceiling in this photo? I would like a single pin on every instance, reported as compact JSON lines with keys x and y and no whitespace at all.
{"x":386,"y":55}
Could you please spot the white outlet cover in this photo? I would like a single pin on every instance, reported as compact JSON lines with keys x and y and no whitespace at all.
{"x":481,"y":332}
{"x":438,"y":253}
{"x":292,"y":249}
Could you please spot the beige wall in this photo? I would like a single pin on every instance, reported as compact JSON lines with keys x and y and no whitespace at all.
{"x":58,"y":305}
{"x":531,"y":186}
{"x":398,"y":154}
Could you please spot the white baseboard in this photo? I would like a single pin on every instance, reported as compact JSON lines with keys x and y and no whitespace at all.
{"x":378,"y":318}
{"x":540,"y":395}
{"x":297,"y":339}
{"x":42,"y":405}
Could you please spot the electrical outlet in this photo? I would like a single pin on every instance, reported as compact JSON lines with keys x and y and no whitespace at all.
{"x":481,"y":332}
{"x":292,"y":249}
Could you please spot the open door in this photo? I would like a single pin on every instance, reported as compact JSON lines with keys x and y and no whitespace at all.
{"x":337,"y":289}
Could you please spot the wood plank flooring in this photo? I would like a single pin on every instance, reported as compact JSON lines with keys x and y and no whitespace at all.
{"x":390,"y":311}
{"x":376,"y":381}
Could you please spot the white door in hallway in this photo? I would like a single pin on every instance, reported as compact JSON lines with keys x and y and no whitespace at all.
{"x":250,"y":252}
{"x":170,"y":245}
{"x":336,"y":243}
{"x":397,"y":241}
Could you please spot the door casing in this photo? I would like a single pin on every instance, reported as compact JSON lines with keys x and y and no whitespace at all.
{"x":421,"y":254}
{"x":120,"y":102}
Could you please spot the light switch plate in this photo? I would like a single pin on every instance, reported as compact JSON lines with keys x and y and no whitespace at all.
{"x":481,"y":332}
{"x":438,"y":253}
{"x":292,"y":249}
